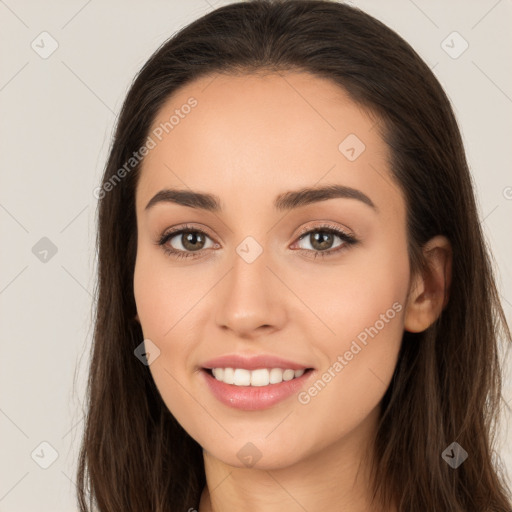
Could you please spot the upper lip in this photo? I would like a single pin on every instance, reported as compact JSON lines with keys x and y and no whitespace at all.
{"x":252,"y":362}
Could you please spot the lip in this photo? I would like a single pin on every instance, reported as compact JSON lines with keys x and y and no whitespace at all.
{"x":254,"y":398}
{"x":252,"y":362}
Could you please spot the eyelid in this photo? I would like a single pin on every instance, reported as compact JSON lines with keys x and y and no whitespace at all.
{"x":169,"y":233}
{"x":316,"y":227}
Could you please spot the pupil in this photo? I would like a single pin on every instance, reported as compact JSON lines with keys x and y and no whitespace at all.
{"x":327,"y":239}
{"x":191,"y":240}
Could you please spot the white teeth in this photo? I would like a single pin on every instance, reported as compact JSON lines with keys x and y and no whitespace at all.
{"x":242,"y":377}
{"x":276,"y":376}
{"x":259,"y":377}
{"x":218,"y":373}
{"x":288,"y":374}
{"x":229,"y":375}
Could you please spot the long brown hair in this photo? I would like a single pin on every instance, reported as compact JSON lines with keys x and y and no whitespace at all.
{"x":447,"y":382}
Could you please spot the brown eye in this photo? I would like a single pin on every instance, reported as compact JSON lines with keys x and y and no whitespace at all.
{"x":184,"y":242}
{"x":322,"y":240}
{"x":191,"y":240}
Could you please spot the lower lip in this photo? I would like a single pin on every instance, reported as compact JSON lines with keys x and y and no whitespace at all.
{"x":254,"y":398}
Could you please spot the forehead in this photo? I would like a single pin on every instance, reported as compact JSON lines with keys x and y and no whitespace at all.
{"x":261,"y":133}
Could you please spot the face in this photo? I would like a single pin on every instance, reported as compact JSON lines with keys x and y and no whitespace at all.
{"x":317,"y":280}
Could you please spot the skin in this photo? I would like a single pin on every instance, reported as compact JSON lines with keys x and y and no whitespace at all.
{"x":249,"y":139}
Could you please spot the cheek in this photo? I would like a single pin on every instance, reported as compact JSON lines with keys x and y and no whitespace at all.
{"x":162,"y":307}
{"x":351,"y":296}
{"x":162,"y":294}
{"x":151,"y":298}
{"x":364,"y":306}
{"x":168,"y":302}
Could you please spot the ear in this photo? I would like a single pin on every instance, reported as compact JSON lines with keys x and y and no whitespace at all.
{"x":136,"y":317}
{"x":429,"y":292}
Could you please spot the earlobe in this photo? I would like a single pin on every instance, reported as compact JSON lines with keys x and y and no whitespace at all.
{"x":429,"y":292}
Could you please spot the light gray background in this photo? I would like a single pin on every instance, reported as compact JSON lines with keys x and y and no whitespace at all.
{"x":57,"y":116}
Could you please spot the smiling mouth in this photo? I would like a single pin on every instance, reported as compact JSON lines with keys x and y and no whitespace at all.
{"x":261,"y":377}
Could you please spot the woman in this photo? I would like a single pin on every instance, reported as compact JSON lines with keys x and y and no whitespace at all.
{"x":296,"y":307}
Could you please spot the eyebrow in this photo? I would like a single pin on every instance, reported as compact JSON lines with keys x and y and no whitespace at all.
{"x":285,"y":201}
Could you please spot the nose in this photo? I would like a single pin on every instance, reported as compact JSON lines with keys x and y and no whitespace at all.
{"x":251,"y":299}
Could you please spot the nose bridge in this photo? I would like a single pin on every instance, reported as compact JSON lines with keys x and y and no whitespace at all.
{"x":250,"y":296}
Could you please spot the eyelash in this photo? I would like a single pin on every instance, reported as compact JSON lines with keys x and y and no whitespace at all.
{"x":349,"y":240}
